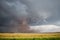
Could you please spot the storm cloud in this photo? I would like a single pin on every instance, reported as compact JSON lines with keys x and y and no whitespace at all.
{"x":37,"y":12}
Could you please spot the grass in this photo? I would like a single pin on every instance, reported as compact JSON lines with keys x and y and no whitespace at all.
{"x":29,"y":36}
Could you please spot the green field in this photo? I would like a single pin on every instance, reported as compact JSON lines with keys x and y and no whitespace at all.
{"x":29,"y":38}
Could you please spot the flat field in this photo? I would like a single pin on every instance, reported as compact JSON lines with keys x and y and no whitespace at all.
{"x":29,"y":36}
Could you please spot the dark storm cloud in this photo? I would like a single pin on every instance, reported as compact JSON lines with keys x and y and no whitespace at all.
{"x":43,"y":10}
{"x":10,"y":12}
{"x":38,"y":12}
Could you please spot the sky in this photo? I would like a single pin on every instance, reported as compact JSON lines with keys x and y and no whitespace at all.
{"x":43,"y":15}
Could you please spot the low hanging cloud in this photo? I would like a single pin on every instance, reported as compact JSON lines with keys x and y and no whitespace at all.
{"x":45,"y":28}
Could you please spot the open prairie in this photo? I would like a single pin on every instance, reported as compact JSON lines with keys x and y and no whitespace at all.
{"x":29,"y":36}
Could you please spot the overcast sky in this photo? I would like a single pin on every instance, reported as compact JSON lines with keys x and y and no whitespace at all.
{"x":39,"y":12}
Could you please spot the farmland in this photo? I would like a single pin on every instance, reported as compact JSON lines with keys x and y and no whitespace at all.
{"x":29,"y":36}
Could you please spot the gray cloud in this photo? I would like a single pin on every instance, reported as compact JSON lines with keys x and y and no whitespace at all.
{"x":38,"y":12}
{"x":42,"y":10}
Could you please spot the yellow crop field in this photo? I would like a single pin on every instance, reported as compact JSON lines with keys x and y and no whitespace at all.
{"x":29,"y":35}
